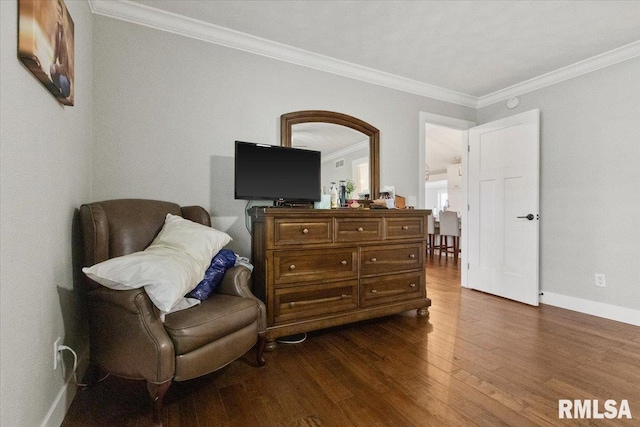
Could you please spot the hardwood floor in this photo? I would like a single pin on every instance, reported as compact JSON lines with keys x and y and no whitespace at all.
{"x":478,"y":360}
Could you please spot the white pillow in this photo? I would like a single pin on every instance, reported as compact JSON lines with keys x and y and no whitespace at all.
{"x":169,"y":268}
{"x":199,"y":241}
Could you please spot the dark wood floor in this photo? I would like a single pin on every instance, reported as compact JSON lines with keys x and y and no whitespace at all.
{"x":478,"y":360}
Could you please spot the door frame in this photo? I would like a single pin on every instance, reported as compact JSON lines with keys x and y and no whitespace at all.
{"x":464,"y":126}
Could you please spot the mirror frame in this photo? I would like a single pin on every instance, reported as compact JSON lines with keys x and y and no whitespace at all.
{"x":320,"y":116}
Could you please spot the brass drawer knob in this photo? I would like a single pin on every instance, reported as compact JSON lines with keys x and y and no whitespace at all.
{"x":292,"y":304}
{"x":343,"y":262}
{"x":343,"y":296}
{"x":305,"y":231}
{"x":413,"y":285}
{"x":405,"y":227}
{"x":374,"y":291}
{"x":412,"y":256}
{"x":292,"y":267}
{"x":373,"y":260}
{"x":360,"y":229}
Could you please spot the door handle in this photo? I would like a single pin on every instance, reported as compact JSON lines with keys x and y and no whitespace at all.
{"x":529,"y":217}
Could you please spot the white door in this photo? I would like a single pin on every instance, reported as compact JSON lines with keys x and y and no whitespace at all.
{"x":503,"y":207}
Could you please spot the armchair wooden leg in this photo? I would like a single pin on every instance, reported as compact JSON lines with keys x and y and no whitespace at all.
{"x":157,"y":393}
{"x":262,"y":341}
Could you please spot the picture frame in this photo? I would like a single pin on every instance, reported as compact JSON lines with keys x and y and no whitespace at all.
{"x":46,"y":45}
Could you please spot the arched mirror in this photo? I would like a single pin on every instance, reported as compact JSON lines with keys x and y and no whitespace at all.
{"x":349,"y":147}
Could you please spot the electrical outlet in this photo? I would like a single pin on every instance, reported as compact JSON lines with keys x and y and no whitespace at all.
{"x":56,"y":353}
{"x":601,"y":282}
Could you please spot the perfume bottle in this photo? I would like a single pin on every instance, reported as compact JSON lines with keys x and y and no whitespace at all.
{"x":334,"y":195}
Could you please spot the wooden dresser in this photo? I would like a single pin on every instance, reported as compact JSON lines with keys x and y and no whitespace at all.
{"x":320,"y":268}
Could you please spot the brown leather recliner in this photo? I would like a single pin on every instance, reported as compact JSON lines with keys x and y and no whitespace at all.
{"x":127,"y":336}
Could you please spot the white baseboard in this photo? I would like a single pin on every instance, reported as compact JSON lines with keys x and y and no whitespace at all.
{"x":55,"y":415}
{"x":594,"y":308}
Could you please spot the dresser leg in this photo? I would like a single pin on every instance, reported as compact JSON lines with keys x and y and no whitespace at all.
{"x":270,"y":345}
{"x":423,"y":312}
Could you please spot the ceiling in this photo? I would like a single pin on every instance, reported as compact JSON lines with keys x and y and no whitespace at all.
{"x":327,"y":138}
{"x":471,"y":48}
{"x":443,"y":147}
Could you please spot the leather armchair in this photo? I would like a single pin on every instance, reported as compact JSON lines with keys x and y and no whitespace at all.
{"x":128,"y":337}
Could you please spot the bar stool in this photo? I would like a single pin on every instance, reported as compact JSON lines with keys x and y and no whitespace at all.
{"x":449,"y":228}
{"x":431,"y":234}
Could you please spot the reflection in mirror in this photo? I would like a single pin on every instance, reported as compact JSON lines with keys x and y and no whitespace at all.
{"x":349,"y":147}
{"x":345,"y":154}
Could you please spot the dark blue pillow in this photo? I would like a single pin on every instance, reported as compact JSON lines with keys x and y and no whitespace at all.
{"x":214,"y":274}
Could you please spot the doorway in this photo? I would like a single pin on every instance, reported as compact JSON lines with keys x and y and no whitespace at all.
{"x":443,"y":169}
{"x":436,"y":162}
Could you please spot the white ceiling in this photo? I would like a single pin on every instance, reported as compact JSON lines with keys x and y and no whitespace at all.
{"x":326,"y":137}
{"x":475,"y":48}
{"x":443,"y":148}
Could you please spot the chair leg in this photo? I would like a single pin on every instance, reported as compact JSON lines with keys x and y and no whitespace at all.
{"x":432,"y":244}
{"x":262,"y":341}
{"x":446,"y":248}
{"x":157,"y":393}
{"x":444,"y":243}
{"x":429,"y":247}
{"x":456,"y":245}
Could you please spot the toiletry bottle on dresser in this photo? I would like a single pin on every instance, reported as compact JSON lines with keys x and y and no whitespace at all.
{"x":334,"y":196}
{"x":342,"y":194}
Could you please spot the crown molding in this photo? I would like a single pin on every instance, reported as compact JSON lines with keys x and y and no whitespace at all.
{"x":166,"y":21}
{"x":189,"y":27}
{"x":588,"y":65}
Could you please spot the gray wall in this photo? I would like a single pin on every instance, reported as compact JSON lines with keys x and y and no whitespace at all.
{"x":45,"y":176}
{"x":590,"y":173}
{"x":331,"y":174}
{"x":166,"y":112}
{"x":171,"y":107}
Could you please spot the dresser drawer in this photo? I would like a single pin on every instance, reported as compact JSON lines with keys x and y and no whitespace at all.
{"x":390,"y":258}
{"x":293,"y":267}
{"x":308,"y":301}
{"x":303,"y":232}
{"x":405,"y":228}
{"x":391,"y":288}
{"x":358,"y":229}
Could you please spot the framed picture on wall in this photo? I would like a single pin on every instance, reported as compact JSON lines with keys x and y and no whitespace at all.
{"x":46,"y":45}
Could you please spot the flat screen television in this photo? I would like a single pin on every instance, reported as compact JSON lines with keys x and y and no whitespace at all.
{"x":281,"y":174}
